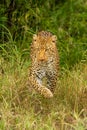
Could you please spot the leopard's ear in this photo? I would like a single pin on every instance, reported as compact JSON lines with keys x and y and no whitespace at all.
{"x":34,"y":37}
{"x":54,"y":38}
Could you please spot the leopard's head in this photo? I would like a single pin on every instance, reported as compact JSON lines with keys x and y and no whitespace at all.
{"x":44,"y":43}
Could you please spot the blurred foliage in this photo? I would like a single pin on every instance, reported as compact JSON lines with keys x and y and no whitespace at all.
{"x":67,"y":19}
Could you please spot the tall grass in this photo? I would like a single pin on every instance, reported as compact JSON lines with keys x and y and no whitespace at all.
{"x":22,"y":108}
{"x":65,"y":19}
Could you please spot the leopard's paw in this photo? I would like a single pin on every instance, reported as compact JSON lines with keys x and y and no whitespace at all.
{"x":46,"y":93}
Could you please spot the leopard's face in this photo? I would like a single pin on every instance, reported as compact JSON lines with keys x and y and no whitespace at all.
{"x":43,"y":46}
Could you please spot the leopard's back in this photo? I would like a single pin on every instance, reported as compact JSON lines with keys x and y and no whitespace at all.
{"x":45,"y":63}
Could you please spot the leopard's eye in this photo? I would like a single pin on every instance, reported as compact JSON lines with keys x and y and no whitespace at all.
{"x":34,"y":37}
{"x":54,"y":38}
{"x":34,"y":40}
{"x":53,"y":41}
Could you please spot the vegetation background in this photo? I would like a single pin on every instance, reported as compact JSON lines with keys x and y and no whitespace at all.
{"x":20,"y":107}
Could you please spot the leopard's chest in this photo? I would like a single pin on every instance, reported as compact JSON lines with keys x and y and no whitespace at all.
{"x":44,"y":65}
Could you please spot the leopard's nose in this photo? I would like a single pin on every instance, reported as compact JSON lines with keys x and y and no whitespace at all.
{"x":42,"y":59}
{"x":42,"y":56}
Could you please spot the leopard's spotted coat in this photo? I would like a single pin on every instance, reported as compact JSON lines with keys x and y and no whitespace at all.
{"x":45,"y":62}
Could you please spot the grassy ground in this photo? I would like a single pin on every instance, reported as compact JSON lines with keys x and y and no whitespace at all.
{"x":21,"y":108}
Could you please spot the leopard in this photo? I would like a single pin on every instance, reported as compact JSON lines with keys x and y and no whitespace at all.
{"x":44,"y":68}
